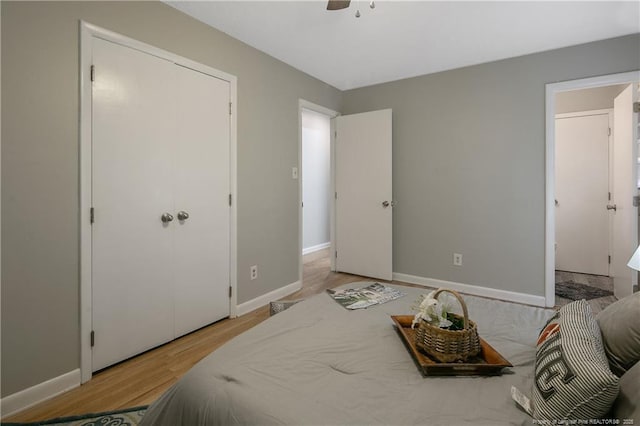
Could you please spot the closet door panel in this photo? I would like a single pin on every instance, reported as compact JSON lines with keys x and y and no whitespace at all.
{"x":201,"y":189}
{"x":133,"y":133}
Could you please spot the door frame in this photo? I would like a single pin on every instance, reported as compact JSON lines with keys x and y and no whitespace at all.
{"x":551,"y":90}
{"x":87,"y":32}
{"x":304,"y":104}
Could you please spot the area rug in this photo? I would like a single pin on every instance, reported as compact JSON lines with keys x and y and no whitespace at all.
{"x":576,"y":291}
{"x":126,"y":417}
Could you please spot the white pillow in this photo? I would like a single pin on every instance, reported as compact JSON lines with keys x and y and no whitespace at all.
{"x":572,"y":376}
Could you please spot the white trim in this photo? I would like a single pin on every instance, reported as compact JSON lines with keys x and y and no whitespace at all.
{"x":260,"y":301}
{"x":87,"y":33}
{"x":29,"y":397}
{"x":493,"y":293}
{"x":316,"y":248}
{"x":86,"y":37}
{"x":585,"y":113}
{"x":332,"y":199}
{"x":551,"y":90}
{"x":233,"y":187}
{"x":304,"y":104}
{"x":317,"y":108}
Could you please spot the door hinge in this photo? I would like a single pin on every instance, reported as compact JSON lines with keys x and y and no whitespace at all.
{"x":335,"y":134}
{"x":335,"y":195}
{"x":609,"y":131}
{"x":230,"y":200}
{"x":230,"y":104}
{"x":636,"y":107}
{"x":93,"y":338}
{"x":336,"y":254}
{"x":636,"y":200}
{"x":609,"y":260}
{"x":93,"y":73}
{"x":609,"y":196}
{"x":92,"y":216}
{"x":230,"y":292}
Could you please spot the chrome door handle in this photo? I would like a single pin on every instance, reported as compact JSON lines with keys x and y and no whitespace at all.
{"x":166,"y":217}
{"x":182,"y":215}
{"x":612,"y":207}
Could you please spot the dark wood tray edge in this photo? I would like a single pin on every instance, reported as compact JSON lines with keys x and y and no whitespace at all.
{"x":493,"y":363}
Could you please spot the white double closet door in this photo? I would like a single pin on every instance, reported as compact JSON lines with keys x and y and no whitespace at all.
{"x":160,"y":146}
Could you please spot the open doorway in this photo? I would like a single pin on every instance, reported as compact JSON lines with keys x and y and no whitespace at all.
{"x":316,"y":187}
{"x":587,"y":233}
{"x":583,"y":171}
{"x":316,"y":181}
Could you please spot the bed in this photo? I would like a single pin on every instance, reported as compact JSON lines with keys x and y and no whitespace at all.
{"x":318,"y":363}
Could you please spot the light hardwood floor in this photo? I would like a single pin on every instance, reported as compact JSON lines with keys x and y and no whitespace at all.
{"x":141,"y":380}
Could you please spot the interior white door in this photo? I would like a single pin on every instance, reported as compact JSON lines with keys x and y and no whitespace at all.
{"x":160,"y":147}
{"x":132,"y":287}
{"x":625,"y":217}
{"x":582,"y":190}
{"x":201,"y":190}
{"x":364,"y":202}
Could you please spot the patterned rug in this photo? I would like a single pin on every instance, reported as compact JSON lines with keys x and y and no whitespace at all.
{"x":126,"y":417}
{"x":577,"y":291}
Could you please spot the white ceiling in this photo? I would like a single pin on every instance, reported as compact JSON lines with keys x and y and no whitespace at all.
{"x":401,"y":39}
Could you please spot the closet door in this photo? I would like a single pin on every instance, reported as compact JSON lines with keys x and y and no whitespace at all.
{"x":160,"y":148}
{"x":201,"y":190}
{"x":133,"y":135}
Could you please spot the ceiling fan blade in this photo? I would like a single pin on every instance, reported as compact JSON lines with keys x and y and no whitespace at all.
{"x":338,"y":4}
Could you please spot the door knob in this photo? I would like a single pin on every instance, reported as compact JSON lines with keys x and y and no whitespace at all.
{"x":612,"y":207}
{"x":385,"y":204}
{"x":182,"y":215}
{"x":166,"y":217}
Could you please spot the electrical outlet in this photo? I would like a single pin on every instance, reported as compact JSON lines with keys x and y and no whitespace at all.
{"x":457,"y":259}
{"x":254,"y":272}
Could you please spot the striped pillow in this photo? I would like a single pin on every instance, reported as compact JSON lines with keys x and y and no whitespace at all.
{"x":572,"y":376}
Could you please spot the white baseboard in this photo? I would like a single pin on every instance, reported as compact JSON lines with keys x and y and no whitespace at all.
{"x":316,"y":248}
{"x":260,"y":301}
{"x":493,"y":293}
{"x":31,"y":396}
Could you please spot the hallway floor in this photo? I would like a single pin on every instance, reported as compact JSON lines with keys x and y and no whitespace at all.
{"x":602,"y":282}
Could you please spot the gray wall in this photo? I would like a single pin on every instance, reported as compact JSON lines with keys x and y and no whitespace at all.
{"x":40,"y":226}
{"x":469,"y":168}
{"x":468,"y":159}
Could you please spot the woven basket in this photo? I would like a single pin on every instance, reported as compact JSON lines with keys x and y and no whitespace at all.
{"x":447,"y":345}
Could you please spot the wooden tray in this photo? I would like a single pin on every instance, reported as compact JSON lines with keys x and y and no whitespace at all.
{"x":488,"y":363}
